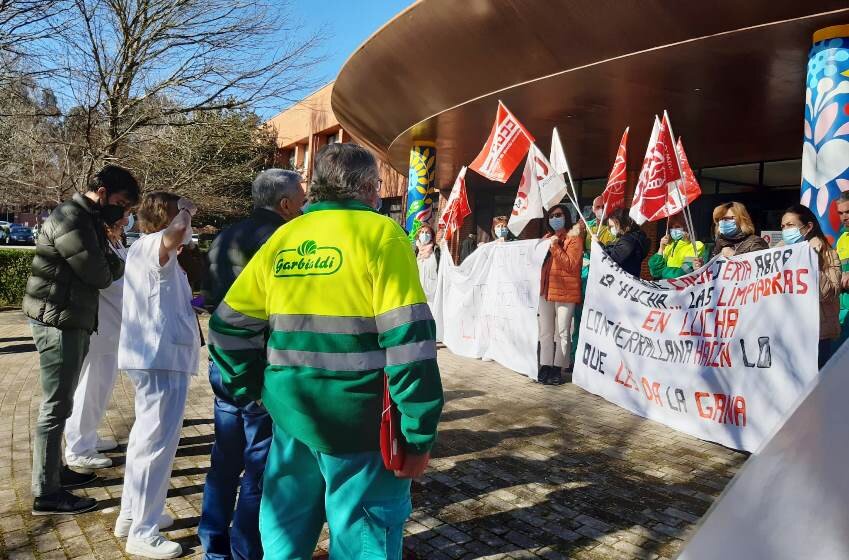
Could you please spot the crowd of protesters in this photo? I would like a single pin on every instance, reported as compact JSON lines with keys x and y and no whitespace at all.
{"x":303,"y":350}
{"x":565,"y":269}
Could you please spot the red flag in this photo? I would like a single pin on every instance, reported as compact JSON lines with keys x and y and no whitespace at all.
{"x":613,"y":196}
{"x":457,"y":207}
{"x":507,"y":144}
{"x":682,"y":193}
{"x":659,"y":174}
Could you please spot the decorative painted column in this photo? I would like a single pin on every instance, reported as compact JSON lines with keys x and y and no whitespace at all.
{"x":825,"y":152}
{"x":421,"y":187}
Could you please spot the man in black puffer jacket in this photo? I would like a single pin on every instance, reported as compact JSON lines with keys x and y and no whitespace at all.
{"x":71,"y":265}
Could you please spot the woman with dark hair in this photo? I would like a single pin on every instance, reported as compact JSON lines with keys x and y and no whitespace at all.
{"x":735,"y":232}
{"x":560,"y":292}
{"x":630,"y":246}
{"x":158,"y":348}
{"x":427,"y":257}
{"x":799,"y":224}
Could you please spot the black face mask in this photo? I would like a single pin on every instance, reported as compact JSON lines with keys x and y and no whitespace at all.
{"x":111,"y":213}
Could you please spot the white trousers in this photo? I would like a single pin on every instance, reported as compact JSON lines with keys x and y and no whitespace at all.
{"x":555,"y":338}
{"x":160,"y":404}
{"x":90,"y":401}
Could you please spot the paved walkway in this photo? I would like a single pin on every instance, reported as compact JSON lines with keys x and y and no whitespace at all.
{"x":520,"y":471}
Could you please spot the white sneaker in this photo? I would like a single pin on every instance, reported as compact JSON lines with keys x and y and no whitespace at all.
{"x":154,"y":547}
{"x":122,"y":525}
{"x":88,"y":462}
{"x":106,"y":444}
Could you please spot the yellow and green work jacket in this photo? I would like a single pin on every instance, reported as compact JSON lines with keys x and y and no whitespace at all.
{"x":843,"y":253}
{"x":330,"y":302}
{"x":670,"y":264}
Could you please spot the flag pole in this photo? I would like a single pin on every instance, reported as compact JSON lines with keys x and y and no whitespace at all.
{"x":687,"y":218}
{"x":573,"y":200}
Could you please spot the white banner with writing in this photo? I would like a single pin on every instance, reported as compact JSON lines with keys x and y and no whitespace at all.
{"x":721,"y":354}
{"x":789,"y":500}
{"x":487,"y":306}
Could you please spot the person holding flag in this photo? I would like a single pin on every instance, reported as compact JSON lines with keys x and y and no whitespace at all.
{"x":676,"y":256}
{"x":599,"y":228}
{"x":631,"y":245}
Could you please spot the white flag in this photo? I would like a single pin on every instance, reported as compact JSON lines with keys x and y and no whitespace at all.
{"x":552,"y":185}
{"x":558,"y":158}
{"x":528,"y":203}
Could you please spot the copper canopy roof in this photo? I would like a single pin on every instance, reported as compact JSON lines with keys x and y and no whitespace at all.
{"x":730,"y":73}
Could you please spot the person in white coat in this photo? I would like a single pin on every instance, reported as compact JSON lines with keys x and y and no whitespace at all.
{"x":427,"y":257}
{"x":159,"y":349}
{"x":83,"y":447}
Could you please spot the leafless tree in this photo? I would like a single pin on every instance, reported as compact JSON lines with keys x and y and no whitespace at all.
{"x":23,"y":25}
{"x":125,"y":56}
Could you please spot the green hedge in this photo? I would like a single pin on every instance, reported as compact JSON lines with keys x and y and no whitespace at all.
{"x":14,"y":270}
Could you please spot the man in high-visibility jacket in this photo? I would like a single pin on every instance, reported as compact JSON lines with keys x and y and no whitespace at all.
{"x":336,"y":295}
{"x":843,"y":253}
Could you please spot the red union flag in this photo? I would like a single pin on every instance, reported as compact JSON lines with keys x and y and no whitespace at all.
{"x":659,"y":175}
{"x":613,"y":196}
{"x":683,"y":192}
{"x":507,"y":144}
{"x":457,"y":207}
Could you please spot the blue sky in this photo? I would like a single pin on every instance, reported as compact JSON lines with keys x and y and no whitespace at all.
{"x":348,"y":24}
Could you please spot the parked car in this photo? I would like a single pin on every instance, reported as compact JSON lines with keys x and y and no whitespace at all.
{"x":20,"y":235}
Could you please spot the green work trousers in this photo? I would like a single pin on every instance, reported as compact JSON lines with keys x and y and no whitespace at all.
{"x":364,"y":504}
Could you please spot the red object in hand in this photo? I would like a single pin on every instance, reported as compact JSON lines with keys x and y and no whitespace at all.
{"x":391,"y":440}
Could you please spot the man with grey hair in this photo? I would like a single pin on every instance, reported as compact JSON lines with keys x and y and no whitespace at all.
{"x":242,"y":427}
{"x":327,"y":319}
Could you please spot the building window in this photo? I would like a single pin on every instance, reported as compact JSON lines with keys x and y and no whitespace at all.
{"x":393,"y":207}
{"x":783,"y":174}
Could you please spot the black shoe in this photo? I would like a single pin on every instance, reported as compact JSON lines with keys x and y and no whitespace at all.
{"x":543,"y":375}
{"x":556,"y":377}
{"x":72,"y":479}
{"x":62,"y":503}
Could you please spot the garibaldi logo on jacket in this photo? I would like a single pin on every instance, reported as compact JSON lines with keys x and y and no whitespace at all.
{"x":307,"y":260}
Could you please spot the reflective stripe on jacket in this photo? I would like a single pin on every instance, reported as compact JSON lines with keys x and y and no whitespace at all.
{"x":337,"y":293}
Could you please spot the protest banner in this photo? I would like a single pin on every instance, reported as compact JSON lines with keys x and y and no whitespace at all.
{"x":487,"y":306}
{"x":789,"y":500}
{"x":721,"y":354}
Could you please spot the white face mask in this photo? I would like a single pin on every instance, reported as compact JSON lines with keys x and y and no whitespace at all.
{"x":425,"y":238}
{"x":613,"y":231}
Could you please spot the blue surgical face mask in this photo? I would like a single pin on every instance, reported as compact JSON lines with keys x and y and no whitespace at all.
{"x":378,"y":204}
{"x":728,"y":228}
{"x":425,"y":238}
{"x":677,"y":234}
{"x":501,"y":232}
{"x":792,"y":235}
{"x":557,"y":223}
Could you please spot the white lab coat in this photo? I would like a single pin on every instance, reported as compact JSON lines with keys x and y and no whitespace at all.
{"x":100,"y":368}
{"x":159,"y":329}
{"x":428,"y":276}
{"x":159,"y":348}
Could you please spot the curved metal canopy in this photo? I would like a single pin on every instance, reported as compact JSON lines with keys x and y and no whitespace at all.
{"x":731,"y":74}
